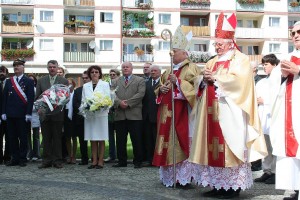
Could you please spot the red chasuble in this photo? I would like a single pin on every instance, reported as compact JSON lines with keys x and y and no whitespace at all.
{"x":291,"y":144}
{"x":163,"y":150}
{"x":216,"y":143}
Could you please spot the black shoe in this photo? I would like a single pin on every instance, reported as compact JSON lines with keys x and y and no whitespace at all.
{"x":270,"y":180}
{"x":229,"y":194}
{"x":83,"y":163}
{"x":92,"y":166}
{"x":137,"y":166}
{"x":263,"y":178}
{"x":58,"y":165}
{"x":119,"y":165}
{"x":109,"y":160}
{"x":12,"y":163}
{"x":22,"y":164}
{"x":147,"y":164}
{"x":44,"y":165}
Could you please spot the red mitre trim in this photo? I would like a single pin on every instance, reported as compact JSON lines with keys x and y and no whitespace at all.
{"x":224,"y":34}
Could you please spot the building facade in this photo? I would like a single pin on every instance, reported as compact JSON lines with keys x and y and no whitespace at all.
{"x":80,"y":33}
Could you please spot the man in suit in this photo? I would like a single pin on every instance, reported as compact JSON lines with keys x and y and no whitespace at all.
{"x":52,"y":124}
{"x":128,"y":114}
{"x":146,"y":71}
{"x":78,"y":120}
{"x":4,"y":156}
{"x":18,"y":96}
{"x":149,"y":115}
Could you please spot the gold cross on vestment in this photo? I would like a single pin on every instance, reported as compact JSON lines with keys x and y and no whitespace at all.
{"x":165,"y":114}
{"x":161,"y":145}
{"x":215,"y":147}
{"x":214,"y":110}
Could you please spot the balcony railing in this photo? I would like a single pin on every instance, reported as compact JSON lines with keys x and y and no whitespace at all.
{"x":250,"y":7}
{"x":79,"y":30}
{"x":199,"y":5}
{"x":137,"y":58}
{"x":23,"y":2}
{"x":79,"y":2}
{"x":249,"y":32}
{"x":294,"y":9}
{"x":198,"y":31}
{"x":20,"y":27}
{"x":79,"y":57}
{"x":255,"y":58}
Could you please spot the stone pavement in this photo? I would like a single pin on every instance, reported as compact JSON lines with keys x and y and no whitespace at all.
{"x":78,"y":182}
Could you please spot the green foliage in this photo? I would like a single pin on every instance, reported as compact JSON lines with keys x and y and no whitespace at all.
{"x":11,"y":54}
{"x":250,"y":1}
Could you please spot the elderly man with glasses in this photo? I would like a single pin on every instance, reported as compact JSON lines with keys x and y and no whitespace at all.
{"x":284,"y":129}
{"x":228,"y":135}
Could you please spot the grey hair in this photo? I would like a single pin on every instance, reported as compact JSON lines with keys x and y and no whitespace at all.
{"x":297,"y":23}
{"x":155,"y":66}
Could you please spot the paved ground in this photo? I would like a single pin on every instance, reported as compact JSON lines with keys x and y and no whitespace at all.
{"x":78,"y":182}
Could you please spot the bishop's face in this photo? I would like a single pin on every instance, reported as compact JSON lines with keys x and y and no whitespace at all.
{"x":296,"y":36}
{"x":222,"y":46}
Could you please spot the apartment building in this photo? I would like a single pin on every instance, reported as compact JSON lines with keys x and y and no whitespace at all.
{"x":80,"y":33}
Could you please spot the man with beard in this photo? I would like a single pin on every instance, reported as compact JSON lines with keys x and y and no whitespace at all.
{"x":4,"y":156}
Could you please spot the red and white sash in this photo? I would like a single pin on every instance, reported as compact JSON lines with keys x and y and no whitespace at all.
{"x":19,"y":90}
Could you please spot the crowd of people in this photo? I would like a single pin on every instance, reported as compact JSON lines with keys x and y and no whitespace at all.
{"x":223,"y":119}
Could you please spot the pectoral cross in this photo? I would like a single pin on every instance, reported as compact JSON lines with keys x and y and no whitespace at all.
{"x":215,"y":147}
{"x":165,"y":114}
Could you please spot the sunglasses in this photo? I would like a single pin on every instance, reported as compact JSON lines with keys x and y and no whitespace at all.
{"x":293,"y":33}
{"x":94,"y":72}
{"x":112,"y":74}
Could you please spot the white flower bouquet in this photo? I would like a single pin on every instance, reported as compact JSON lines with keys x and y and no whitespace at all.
{"x":52,"y":100}
{"x":98,"y":102}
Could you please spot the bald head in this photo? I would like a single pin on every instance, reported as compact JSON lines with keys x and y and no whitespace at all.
{"x":127,"y":68}
{"x":155,"y":71}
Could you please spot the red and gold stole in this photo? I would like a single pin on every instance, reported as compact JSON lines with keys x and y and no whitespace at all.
{"x":291,"y":144}
{"x":216,"y":143}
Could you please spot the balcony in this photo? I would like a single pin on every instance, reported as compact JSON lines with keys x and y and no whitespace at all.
{"x":142,"y":4}
{"x":22,"y":2}
{"x":12,"y":54}
{"x":13,"y":27}
{"x":195,"y":4}
{"x":198,"y":31}
{"x":250,"y":5}
{"x":249,"y":32}
{"x":137,"y":58}
{"x":294,"y":6}
{"x":79,"y":27}
{"x":255,"y":58}
{"x":80,"y":57}
{"x":79,"y":2}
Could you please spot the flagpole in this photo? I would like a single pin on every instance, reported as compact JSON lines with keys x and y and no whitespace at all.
{"x":165,"y":34}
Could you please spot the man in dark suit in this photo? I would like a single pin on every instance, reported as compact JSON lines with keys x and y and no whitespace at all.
{"x":18,"y":96}
{"x":150,"y":115}
{"x":146,"y":71}
{"x":52,"y":124}
{"x":78,"y":120}
{"x":128,"y":114}
{"x":4,"y":156}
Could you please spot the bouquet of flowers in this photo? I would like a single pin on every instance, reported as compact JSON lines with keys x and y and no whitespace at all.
{"x":52,"y":100}
{"x":98,"y":102}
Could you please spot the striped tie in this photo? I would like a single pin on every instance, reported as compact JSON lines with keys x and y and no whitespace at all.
{"x":126,"y":80}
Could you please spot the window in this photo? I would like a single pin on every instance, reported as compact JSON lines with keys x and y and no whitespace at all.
{"x":239,"y":23}
{"x":84,"y":47}
{"x":165,"y":18}
{"x":106,"y":45}
{"x":291,"y":48}
{"x":128,"y":48}
{"x":274,"y":48}
{"x":274,"y":21}
{"x":10,"y":17}
{"x":164,"y":45}
{"x":84,"y":18}
{"x":252,"y":50}
{"x":184,"y":21}
{"x":199,"y":47}
{"x":144,"y":1}
{"x":70,"y":47}
{"x":291,"y":23}
{"x":106,"y":17}
{"x":46,"y":44}
{"x":200,"y":22}
{"x":26,"y":17}
{"x":46,"y":16}
{"x":252,"y":24}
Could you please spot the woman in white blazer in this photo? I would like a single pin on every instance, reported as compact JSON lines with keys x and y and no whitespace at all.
{"x":96,"y":125}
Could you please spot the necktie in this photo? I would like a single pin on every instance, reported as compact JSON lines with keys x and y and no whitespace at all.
{"x":126,"y":80}
{"x":153,"y":82}
{"x":17,"y":79}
